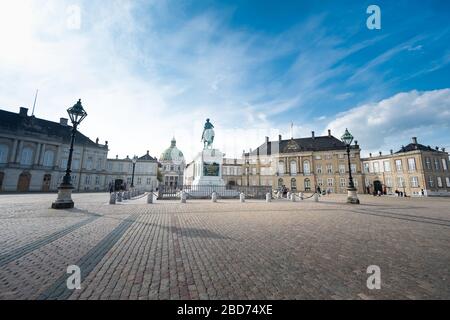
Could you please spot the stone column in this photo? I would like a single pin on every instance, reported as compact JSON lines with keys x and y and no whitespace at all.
{"x":19,"y":150}
{"x":12,"y":156}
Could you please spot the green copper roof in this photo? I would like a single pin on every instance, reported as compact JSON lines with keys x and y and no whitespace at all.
{"x":172,"y":153}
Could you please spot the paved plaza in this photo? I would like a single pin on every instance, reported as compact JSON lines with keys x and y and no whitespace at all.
{"x":224,"y":250}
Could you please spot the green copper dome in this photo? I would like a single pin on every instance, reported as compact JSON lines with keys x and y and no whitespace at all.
{"x":172,"y":153}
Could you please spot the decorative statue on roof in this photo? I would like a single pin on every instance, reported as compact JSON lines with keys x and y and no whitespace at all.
{"x":208,"y":135}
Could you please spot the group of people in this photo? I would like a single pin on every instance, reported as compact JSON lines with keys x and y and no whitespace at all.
{"x":122,"y":187}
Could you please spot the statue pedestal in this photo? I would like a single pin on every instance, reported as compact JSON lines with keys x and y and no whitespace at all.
{"x":208,"y":168}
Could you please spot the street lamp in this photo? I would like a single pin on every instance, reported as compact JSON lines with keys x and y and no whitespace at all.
{"x":134,"y":167}
{"x":352,"y":196}
{"x":64,"y":200}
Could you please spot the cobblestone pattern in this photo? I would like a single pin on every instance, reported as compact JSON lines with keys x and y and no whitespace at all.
{"x":252,"y":250}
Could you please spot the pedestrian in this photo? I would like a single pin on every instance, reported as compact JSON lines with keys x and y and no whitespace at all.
{"x":318,"y":190}
{"x":422,"y":192}
{"x":111,"y":189}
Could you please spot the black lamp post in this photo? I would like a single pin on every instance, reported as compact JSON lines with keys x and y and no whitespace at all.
{"x":352,"y":196}
{"x":134,"y":167}
{"x":64,"y":200}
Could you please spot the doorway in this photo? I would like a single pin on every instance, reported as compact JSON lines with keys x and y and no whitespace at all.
{"x":377,"y":186}
{"x":23,"y":185}
{"x":46,"y":183}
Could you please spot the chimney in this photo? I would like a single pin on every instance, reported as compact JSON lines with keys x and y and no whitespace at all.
{"x":329,"y":132}
{"x":312,"y":134}
{"x":392,"y":151}
{"x":279,"y":138}
{"x":148,"y":152}
{"x":414,"y":140}
{"x":370,"y":155}
{"x":96,"y":141}
{"x":380,"y":153}
{"x":128,"y":157}
{"x":106,"y":143}
{"x":117,"y":156}
{"x":437,"y":148}
{"x":267,"y":139}
{"x":443,"y":149}
{"x":23,"y":112}
{"x":356,"y":143}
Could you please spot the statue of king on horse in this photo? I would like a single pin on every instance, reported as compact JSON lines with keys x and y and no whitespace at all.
{"x":208,"y":135}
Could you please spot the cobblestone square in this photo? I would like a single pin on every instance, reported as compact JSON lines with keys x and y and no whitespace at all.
{"x":224,"y":250}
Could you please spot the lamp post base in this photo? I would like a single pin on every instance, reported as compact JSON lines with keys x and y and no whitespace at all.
{"x":64,"y":200}
{"x":352,"y":196}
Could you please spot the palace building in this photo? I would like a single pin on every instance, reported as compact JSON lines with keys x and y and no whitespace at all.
{"x":303,"y":164}
{"x":34,"y":154}
{"x":415,"y":169}
{"x":172,"y":166}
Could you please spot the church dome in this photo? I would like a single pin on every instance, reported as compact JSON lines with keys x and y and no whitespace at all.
{"x":172,"y":153}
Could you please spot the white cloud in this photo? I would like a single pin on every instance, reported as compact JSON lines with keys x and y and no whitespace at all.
{"x":391,"y":122}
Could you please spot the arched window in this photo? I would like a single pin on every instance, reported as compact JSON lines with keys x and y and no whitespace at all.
{"x":49,"y":156}
{"x":306,"y":167}
{"x":3,"y":153}
{"x":26,"y":156}
{"x":307,"y":185}
{"x":293,"y":167}
{"x":280,"y":182}
{"x":293,"y":184}
{"x":281,"y":167}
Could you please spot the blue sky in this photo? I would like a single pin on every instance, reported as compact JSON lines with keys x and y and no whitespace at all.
{"x":148,"y":70}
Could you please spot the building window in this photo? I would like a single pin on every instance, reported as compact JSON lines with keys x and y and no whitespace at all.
{"x":280,"y":182}
{"x":342,"y":168}
{"x":306,"y":167}
{"x":444,"y":164}
{"x":400,"y":182}
{"x":99,"y":164}
{"x":307,"y":184}
{"x":414,"y":182}
{"x":48,"y":158}
{"x":319,"y":169}
{"x":87,"y":180}
{"x":253,"y":170}
{"x":139,"y":180}
{"x":293,"y":184}
{"x":439,"y":182}
{"x":387,"y":166}
{"x":320,"y":182}
{"x":281,"y":167}
{"x":412,"y":164}
{"x":366,"y":167}
{"x":447,"y":181}
{"x":329,"y":168}
{"x":330,"y":182}
{"x":63,"y":163}
{"x":89,"y":164}
{"x":353,"y":167}
{"x":376,"y":167}
{"x":430,"y":182}
{"x":428,"y":163}
{"x":3,"y":153}
{"x":26,"y":157}
{"x":342,"y":182}
{"x":389,"y":182}
{"x":398,"y":165}
{"x":149,"y":180}
{"x":97,"y":180}
{"x":293,"y":167}
{"x":436,"y":164}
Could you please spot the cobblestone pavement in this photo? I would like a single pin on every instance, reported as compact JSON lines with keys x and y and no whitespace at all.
{"x":224,"y":250}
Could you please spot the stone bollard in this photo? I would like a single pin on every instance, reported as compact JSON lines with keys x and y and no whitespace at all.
{"x":316,"y":197}
{"x":293,"y":197}
{"x":119,"y":196}
{"x":150,"y":197}
{"x":268,"y":197}
{"x":183,"y":197}
{"x":288,"y":195}
{"x":301,"y":195}
{"x":112,"y":198}
{"x":279,"y":195}
{"x":214,"y":197}
{"x":125,"y":195}
{"x":242,"y":197}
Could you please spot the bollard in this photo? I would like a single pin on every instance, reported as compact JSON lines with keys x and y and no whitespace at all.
{"x":293,"y":197}
{"x":242,"y":197}
{"x":119,"y":196}
{"x":279,"y":195}
{"x":112,"y":198}
{"x":183,"y":197}
{"x":268,"y":197}
{"x":316,"y":197}
{"x":125,"y":195}
{"x":301,"y":195}
{"x":214,"y":197}
{"x":150,"y":197}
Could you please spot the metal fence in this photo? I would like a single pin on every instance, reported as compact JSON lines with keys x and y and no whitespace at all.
{"x":205,"y":192}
